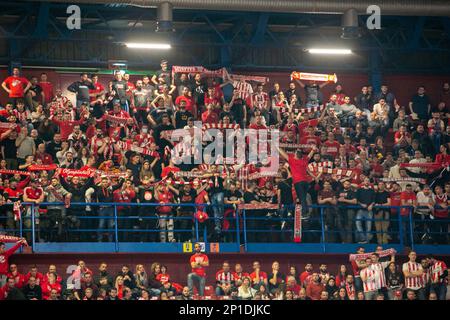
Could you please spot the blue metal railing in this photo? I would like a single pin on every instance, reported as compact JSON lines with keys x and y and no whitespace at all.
{"x":405,"y":225}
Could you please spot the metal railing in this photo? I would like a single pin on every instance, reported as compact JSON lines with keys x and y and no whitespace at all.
{"x":139,"y":222}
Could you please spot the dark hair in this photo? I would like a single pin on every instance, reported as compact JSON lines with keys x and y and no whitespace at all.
{"x":2,"y":244}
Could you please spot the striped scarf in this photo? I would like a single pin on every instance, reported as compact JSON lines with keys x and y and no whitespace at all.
{"x":314,"y":166}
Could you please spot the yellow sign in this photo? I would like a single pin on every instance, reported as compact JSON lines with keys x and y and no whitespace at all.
{"x":187,"y":247}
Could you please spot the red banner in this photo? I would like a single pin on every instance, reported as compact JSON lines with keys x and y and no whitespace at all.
{"x":8,"y":239}
{"x":42,"y":167}
{"x":298,"y":224}
{"x":313,"y":76}
{"x":63,"y":172}
{"x":12,"y":172}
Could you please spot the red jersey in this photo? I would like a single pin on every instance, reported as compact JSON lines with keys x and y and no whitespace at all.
{"x":415,"y":282}
{"x":32,"y":193}
{"x":19,"y":278}
{"x":213,"y":100}
{"x":44,"y":157}
{"x":315,"y":140}
{"x":305,"y":124}
{"x":262,"y":276}
{"x":163,"y":277}
{"x":47,"y":288}
{"x":4,"y":259}
{"x":303,"y":276}
{"x":47,"y":89}
{"x":239,"y":276}
{"x":332,"y":148}
{"x":211,"y":117}
{"x":66,"y":127}
{"x":350,"y":149}
{"x":298,"y":169}
{"x":199,"y":257}
{"x":395,"y":200}
{"x":98,"y":88}
{"x":39,"y":278}
{"x":165,"y":197}
{"x":17,"y":86}
{"x":407,"y":199}
{"x":441,"y":202}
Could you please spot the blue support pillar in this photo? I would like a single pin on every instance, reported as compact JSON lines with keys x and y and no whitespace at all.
{"x":375,"y":66}
{"x":42,"y":21}
{"x":225,"y":56}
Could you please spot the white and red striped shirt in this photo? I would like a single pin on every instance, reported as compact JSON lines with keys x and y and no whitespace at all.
{"x":245,"y":89}
{"x":260,"y":99}
{"x":224,"y":277}
{"x":425,"y":277}
{"x":414,"y":282}
{"x":369,"y":283}
{"x":437,"y":270}
{"x":380,"y":278}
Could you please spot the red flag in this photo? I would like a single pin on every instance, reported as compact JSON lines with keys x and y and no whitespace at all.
{"x":298,"y":223}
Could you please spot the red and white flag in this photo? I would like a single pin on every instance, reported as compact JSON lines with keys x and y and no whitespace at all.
{"x":298,"y":224}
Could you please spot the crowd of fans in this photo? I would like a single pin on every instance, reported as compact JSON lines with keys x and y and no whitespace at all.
{"x":121,"y":130}
{"x":371,"y":276}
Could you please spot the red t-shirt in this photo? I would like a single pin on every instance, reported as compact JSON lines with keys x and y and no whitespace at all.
{"x":298,"y":169}
{"x":16,"y":85}
{"x":441,"y":201}
{"x":47,"y":88}
{"x":304,"y":275}
{"x":98,"y":88}
{"x":305,"y":124}
{"x":407,"y":196}
{"x":395,"y":200}
{"x":199,"y":257}
{"x":165,"y":197}
{"x":33,"y":193}
{"x":315,"y":140}
{"x":332,"y":148}
{"x":210,"y":118}
{"x":19,"y":278}
{"x":262,"y":276}
{"x":4,"y":258}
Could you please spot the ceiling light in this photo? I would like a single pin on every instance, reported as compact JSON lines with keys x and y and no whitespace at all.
{"x":136,"y":45}
{"x":330,"y":51}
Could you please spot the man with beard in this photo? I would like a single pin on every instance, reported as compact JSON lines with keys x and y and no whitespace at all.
{"x":140,"y":103}
{"x":315,"y":287}
{"x":81,"y":88}
{"x":305,"y":276}
{"x":438,"y":273}
{"x":198,"y":261}
{"x":52,"y":223}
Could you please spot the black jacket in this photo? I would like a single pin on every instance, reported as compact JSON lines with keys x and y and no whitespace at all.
{"x":31,"y":293}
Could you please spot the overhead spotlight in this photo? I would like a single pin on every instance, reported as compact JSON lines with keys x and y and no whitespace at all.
{"x":136,"y":45}
{"x":329,"y":51}
{"x":350,"y":27}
